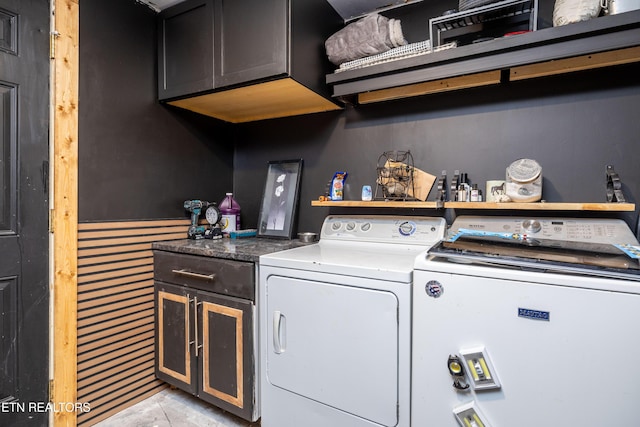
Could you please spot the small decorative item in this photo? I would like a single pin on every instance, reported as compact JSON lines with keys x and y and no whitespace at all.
{"x":398,"y":179}
{"x":280,"y":200}
{"x":395,"y":176}
{"x":337,"y":185}
{"x":524,"y":181}
{"x":494,"y":189}
{"x":367,"y":193}
{"x":614,"y":186}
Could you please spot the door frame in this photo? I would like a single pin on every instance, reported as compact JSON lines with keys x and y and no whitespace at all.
{"x":63,"y":222}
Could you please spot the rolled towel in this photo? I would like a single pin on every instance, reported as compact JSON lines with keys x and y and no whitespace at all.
{"x":368,"y":36}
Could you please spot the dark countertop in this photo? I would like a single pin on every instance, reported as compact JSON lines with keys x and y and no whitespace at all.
{"x":245,"y":249}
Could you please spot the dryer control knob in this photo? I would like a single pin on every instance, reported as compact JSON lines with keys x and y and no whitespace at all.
{"x":407,"y":228}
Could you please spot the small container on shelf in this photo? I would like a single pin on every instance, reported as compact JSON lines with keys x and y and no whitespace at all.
{"x":524,"y":181}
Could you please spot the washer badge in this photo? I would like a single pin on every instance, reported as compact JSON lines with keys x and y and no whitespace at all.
{"x":434,"y":289}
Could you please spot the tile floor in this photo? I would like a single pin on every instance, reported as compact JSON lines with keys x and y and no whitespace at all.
{"x":174,"y":408}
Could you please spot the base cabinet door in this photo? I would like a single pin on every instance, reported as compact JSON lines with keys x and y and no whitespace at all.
{"x":175,"y":321}
{"x":204,"y":346}
{"x":226,"y":356}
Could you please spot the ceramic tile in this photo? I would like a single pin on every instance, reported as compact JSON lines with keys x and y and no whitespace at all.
{"x":174,"y":408}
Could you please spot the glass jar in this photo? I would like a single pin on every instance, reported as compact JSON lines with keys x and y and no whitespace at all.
{"x":524,"y":181}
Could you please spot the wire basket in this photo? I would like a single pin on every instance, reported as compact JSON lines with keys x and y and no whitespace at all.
{"x":395,"y":176}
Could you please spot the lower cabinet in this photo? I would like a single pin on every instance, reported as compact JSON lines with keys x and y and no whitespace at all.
{"x":205,"y":346}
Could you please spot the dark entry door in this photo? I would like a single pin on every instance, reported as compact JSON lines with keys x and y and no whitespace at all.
{"x":24,"y":153}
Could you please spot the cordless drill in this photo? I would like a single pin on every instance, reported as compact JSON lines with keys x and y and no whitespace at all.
{"x":196,"y":231}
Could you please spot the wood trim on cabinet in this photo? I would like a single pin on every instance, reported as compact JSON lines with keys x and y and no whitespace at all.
{"x":238,"y":399}
{"x":577,"y":63}
{"x":277,"y":98}
{"x":180,"y":299}
{"x":548,"y":68}
{"x":443,"y":85}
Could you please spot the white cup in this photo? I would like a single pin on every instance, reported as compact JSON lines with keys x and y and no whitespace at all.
{"x":494,"y":188}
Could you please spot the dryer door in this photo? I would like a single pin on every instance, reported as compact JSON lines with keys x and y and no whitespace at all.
{"x":334,"y":344}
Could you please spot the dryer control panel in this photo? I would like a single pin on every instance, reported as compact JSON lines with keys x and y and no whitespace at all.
{"x":416,"y":230}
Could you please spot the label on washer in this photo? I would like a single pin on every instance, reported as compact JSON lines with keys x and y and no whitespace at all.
{"x":434,"y":289}
{"x":630,"y":250}
{"x":533,"y":314}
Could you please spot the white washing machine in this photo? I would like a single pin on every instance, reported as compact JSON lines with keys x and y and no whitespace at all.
{"x":335,"y":317}
{"x":527,"y":322}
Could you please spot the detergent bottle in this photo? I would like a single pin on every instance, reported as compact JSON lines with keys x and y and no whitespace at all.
{"x":230,"y":212}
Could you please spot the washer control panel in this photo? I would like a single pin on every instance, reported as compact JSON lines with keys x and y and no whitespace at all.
{"x":385,"y":229}
{"x":593,"y":230}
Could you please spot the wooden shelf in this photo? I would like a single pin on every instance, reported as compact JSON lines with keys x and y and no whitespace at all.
{"x":601,"y":42}
{"x":612,"y":207}
{"x":603,"y":207}
{"x":376,"y":204}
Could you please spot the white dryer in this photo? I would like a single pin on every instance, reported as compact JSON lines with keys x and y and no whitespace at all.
{"x":335,"y":326}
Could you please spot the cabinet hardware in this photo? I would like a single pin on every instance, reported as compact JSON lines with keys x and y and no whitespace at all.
{"x":191,"y":274}
{"x":195,"y":311}
{"x":195,"y":340}
{"x":195,"y":316}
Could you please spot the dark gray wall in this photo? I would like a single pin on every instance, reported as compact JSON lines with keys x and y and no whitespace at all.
{"x":573,"y":125}
{"x":137,"y":158}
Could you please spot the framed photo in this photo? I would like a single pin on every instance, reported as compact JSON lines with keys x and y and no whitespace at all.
{"x":280,"y":199}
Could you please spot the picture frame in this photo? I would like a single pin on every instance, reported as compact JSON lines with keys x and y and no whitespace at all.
{"x":279,"y":208}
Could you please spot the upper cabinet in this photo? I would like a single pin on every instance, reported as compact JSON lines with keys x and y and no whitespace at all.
{"x":185,"y":49}
{"x":251,"y":41}
{"x":246,"y":60}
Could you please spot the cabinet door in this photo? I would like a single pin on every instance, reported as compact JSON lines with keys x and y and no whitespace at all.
{"x":227,"y":377}
{"x":251,"y":40}
{"x":175,"y":319}
{"x":185,"y":49}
